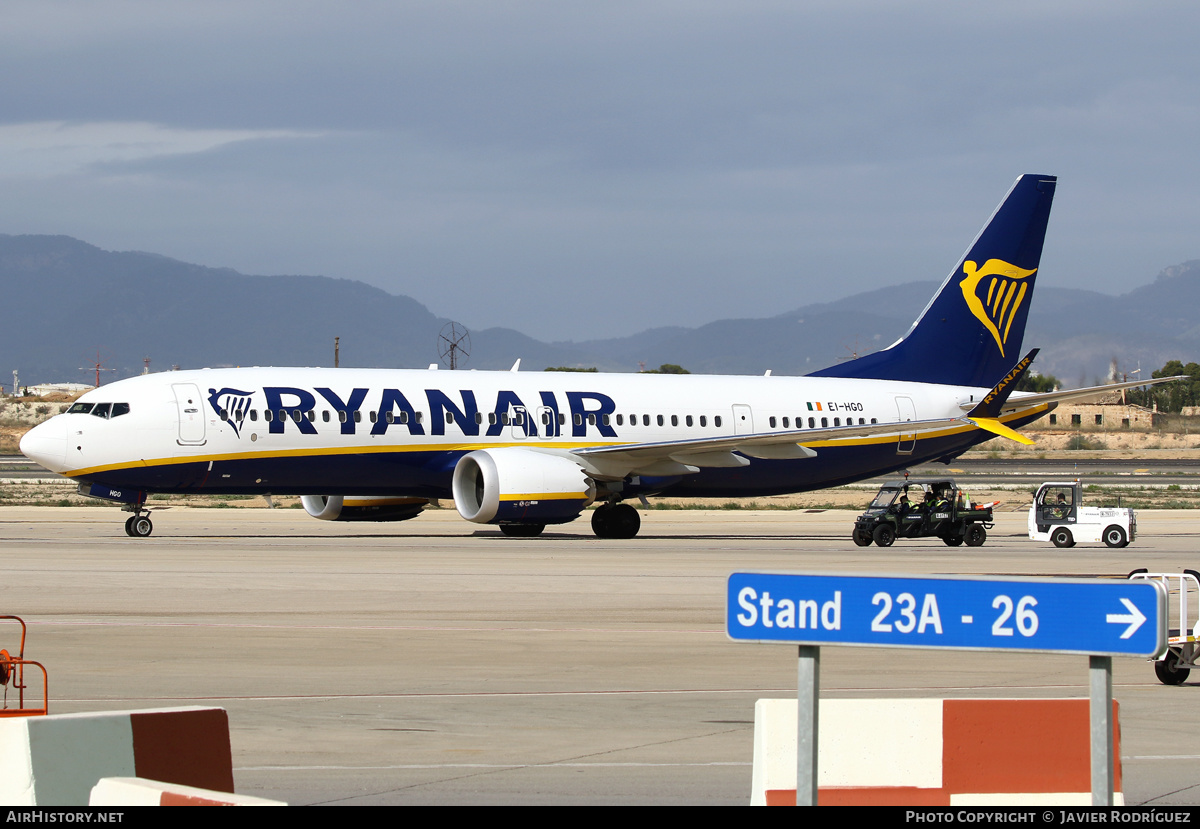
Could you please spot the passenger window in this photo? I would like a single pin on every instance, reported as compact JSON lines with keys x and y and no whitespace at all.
{"x":674,"y":420}
{"x":389,"y":417}
{"x":223,"y":414}
{"x":296,"y":415}
{"x":254,"y":415}
{"x":101,"y":410}
{"x":578,"y":420}
{"x":772,"y":422}
{"x":873,"y":421}
{"x":703,"y":420}
{"x":604,"y":419}
{"x":688,"y":420}
{"x":785,"y":423}
{"x":504,"y":419}
{"x":478,"y":418}
{"x":660,"y":420}
{"x":404,"y":417}
{"x":449,"y":417}
{"x":591,"y":420}
{"x":374,"y":417}
{"x":717,"y":421}
{"x":239,"y":415}
{"x":268,"y":415}
{"x":342,"y":416}
{"x":312,"y":416}
{"x":545,"y":418}
{"x":620,"y":420}
{"x":837,"y":421}
{"x":645,"y":420}
{"x":562,"y":419}
{"x":812,"y":423}
{"x":824,"y":423}
{"x":357,"y":417}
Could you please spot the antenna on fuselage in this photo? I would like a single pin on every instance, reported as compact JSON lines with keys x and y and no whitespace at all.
{"x":454,"y":345}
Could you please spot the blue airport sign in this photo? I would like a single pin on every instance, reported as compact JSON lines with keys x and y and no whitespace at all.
{"x":1099,"y":617}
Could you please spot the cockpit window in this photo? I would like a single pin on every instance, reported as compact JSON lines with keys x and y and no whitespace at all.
{"x":101,"y":410}
{"x":80,"y":408}
{"x":119,"y":409}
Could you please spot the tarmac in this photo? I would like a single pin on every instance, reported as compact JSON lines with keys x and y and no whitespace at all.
{"x":436,"y":661}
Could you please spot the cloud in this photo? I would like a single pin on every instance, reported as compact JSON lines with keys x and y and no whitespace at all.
{"x":44,"y":149}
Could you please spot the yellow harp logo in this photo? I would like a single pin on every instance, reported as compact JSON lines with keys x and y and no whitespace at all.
{"x":1005,"y":292}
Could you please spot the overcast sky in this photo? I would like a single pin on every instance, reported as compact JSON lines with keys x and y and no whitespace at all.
{"x":588,"y":169}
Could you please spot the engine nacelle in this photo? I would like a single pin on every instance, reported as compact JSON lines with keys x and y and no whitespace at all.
{"x":362,"y":507}
{"x":520,"y":486}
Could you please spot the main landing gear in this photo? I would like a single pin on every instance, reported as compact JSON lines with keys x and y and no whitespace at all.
{"x":615,"y":520}
{"x":139,"y":525}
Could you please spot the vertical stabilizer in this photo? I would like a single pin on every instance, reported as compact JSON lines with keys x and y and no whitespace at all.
{"x":971,"y":331}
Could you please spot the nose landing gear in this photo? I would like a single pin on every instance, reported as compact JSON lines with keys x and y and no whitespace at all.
{"x":139,"y":524}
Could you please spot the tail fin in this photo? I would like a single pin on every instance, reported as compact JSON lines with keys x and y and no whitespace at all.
{"x":970,"y":331}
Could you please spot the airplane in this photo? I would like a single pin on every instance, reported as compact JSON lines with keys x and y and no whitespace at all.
{"x":527,"y":450}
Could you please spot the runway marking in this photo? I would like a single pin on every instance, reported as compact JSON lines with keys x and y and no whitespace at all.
{"x":244,"y":625}
{"x":789,"y":692}
{"x":548,"y":764}
{"x":1162,"y":757}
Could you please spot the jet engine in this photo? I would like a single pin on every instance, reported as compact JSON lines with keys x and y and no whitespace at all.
{"x":520,"y":486}
{"x":362,"y":508}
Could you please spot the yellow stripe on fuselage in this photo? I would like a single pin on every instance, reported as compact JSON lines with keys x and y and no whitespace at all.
{"x":470,"y":447}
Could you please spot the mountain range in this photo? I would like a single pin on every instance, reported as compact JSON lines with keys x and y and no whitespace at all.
{"x":65,"y":301}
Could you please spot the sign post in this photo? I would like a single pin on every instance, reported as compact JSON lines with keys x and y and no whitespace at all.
{"x":1100,"y":618}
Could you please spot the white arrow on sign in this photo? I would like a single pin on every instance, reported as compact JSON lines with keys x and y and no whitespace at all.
{"x":1133,"y":618}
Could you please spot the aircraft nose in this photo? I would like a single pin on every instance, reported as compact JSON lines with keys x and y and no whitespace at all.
{"x":46,"y":444}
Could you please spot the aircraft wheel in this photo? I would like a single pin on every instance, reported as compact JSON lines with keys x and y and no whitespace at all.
{"x":1114,"y":536}
{"x":952,"y":540}
{"x":884,"y":535}
{"x":522,"y":530}
{"x":1168,"y":671}
{"x":616,"y":521}
{"x":862,"y":538}
{"x":1062,"y":538}
{"x":129,"y":525}
{"x":139,"y":526}
{"x":602,"y":521}
{"x":975,"y":535}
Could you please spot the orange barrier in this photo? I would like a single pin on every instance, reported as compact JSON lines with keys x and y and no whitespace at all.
{"x":12,"y":675}
{"x":914,"y":752}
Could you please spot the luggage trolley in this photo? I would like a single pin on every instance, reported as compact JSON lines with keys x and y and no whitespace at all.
{"x":12,"y":675}
{"x":1183,"y":623}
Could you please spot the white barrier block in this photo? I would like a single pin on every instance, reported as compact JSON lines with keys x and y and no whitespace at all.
{"x":134,"y":791}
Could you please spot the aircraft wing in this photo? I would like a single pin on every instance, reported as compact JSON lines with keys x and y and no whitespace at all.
{"x":679,"y":457}
{"x":1021,"y":401}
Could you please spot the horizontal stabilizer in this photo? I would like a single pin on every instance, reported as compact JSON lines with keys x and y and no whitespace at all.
{"x":997,"y":428}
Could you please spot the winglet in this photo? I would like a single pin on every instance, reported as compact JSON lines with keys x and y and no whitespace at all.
{"x":989,"y":406}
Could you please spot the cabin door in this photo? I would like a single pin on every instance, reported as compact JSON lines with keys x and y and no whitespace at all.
{"x":908,"y":411}
{"x":191,"y":413}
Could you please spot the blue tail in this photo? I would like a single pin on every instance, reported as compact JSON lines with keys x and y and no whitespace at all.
{"x":970,"y":333}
